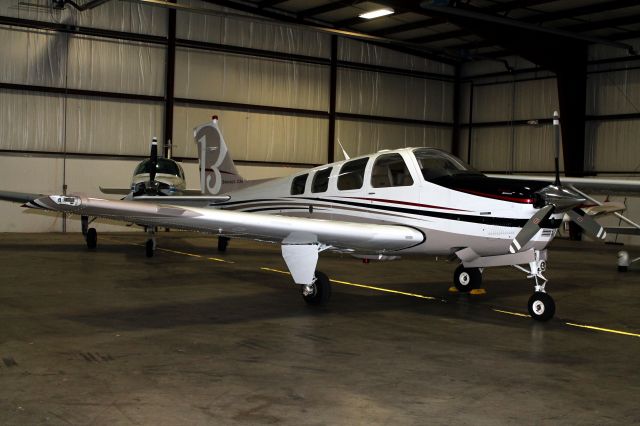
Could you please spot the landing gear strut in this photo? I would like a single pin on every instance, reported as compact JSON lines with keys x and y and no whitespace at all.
{"x":467,"y":279}
{"x":319,"y":291}
{"x":541,"y":306}
{"x":150,"y":246}
{"x":91,"y":238}
{"x":223,"y":242}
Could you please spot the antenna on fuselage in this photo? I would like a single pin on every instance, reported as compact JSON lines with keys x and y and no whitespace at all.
{"x":344,"y":152}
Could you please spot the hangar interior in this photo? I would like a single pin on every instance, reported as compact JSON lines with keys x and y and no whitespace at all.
{"x":196,"y":336}
{"x":83,"y":92}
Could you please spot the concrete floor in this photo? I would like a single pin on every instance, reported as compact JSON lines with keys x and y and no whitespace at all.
{"x":111,"y":337}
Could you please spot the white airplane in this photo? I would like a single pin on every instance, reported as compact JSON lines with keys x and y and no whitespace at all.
{"x":410,"y":201}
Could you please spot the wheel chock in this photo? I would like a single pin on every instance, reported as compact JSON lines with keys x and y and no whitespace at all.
{"x":478,"y":291}
{"x":453,"y":289}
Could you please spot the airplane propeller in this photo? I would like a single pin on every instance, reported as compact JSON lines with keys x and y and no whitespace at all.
{"x":556,"y":199}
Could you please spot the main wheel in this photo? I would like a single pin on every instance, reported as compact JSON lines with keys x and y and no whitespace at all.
{"x":466,"y":279}
{"x":92,"y":238}
{"x":223,"y":242}
{"x":319,"y":292}
{"x":541,"y":306}
{"x":148,"y":248}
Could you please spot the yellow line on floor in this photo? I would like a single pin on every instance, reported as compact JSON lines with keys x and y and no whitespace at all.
{"x":606,"y":330}
{"x":385,"y":290}
{"x":214,"y":259}
{"x":517,"y":314}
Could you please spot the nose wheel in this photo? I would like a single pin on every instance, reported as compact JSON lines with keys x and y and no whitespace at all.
{"x":541,"y":306}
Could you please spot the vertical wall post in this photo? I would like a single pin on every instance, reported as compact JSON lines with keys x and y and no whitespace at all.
{"x":169,"y":80}
{"x":455,"y":133}
{"x":469,"y":140}
{"x":333,"y":83}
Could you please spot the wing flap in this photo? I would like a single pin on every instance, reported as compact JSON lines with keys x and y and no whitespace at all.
{"x":343,"y":235}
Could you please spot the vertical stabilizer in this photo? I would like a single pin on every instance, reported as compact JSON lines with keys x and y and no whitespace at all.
{"x":218,"y":174}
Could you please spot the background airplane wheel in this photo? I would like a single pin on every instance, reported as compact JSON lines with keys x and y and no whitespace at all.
{"x":319,"y":292}
{"x":466,"y":279}
{"x":223,"y":242}
{"x":148,"y":247}
{"x":92,"y":238}
{"x":541,"y":306}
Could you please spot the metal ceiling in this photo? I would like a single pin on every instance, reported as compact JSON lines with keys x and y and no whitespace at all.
{"x":415,"y":26}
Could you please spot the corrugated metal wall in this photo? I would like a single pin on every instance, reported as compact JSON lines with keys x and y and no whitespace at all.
{"x":103,"y":94}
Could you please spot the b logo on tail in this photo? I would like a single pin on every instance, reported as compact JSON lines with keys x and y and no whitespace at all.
{"x":217,"y":171}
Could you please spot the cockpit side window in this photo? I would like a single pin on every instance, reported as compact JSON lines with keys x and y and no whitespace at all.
{"x":390,"y":170}
{"x":352,"y":174}
{"x":298,"y":184}
{"x":435,"y":164}
{"x":321,"y":180}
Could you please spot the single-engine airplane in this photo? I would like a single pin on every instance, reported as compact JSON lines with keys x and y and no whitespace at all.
{"x":410,"y":201}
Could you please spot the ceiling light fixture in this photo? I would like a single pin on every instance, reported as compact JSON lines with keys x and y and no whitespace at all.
{"x":377,"y":13}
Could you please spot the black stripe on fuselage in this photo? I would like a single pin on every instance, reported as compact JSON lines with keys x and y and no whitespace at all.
{"x":487,"y":220}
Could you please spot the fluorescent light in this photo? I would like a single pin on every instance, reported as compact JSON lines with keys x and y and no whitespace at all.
{"x":377,"y":13}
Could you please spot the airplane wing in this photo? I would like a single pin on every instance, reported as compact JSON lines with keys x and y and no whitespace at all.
{"x":19,"y":197}
{"x":623,"y":230}
{"x":590,"y":185}
{"x":115,"y":191}
{"x":368,"y":238}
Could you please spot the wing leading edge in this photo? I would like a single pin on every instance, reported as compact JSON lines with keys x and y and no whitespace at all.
{"x":359,"y":237}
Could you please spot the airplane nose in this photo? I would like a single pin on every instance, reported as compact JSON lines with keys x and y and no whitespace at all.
{"x":562,"y":199}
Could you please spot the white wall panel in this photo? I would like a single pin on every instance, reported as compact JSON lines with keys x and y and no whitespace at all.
{"x":116,"y":66}
{"x":34,"y":57}
{"x":491,"y":148}
{"x":112,"y":126}
{"x":603,"y":51}
{"x":357,"y":51}
{"x":614,"y":145}
{"x":256,"y":136}
{"x":374,"y":93}
{"x":493,"y":103}
{"x":365,"y":137}
{"x":536,"y":99}
{"x":242,"y":79}
{"x":31,"y":121}
{"x":255,"y":34}
{"x":534,"y":149}
{"x":613,"y":92}
{"x":33,"y":175}
{"x":114,"y":15}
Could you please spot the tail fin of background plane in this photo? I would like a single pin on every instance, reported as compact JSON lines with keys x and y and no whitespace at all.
{"x":218,"y":174}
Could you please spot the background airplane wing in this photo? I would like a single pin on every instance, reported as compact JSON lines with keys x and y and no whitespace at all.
{"x":369,"y":238}
{"x":589,"y":185}
{"x":19,"y":197}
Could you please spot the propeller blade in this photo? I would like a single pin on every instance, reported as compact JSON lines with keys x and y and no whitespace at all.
{"x":556,"y":140}
{"x":531,"y":228}
{"x":154,"y":160}
{"x":587,"y":223}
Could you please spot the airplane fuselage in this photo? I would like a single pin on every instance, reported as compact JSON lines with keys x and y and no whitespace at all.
{"x":452,"y":211}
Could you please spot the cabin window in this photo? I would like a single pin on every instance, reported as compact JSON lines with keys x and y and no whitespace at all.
{"x":390,"y":170}
{"x":298,"y":184}
{"x":321,"y":180}
{"x":352,"y":174}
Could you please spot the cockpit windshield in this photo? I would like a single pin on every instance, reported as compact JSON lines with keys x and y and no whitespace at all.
{"x":164,"y":165}
{"x":435,"y":163}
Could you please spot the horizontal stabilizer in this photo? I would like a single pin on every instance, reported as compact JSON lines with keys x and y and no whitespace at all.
{"x":115,"y":191}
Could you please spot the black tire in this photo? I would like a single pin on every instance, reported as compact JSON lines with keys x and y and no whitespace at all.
{"x":467,"y":279}
{"x":92,"y":238}
{"x":321,"y":290}
{"x":148,"y":248}
{"x":622,"y":268}
{"x":223,"y":242}
{"x":541,"y":306}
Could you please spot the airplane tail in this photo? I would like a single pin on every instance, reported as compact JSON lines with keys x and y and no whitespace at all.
{"x":218,"y":174}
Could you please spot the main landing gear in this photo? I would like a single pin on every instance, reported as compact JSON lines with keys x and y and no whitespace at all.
{"x":90,"y":234}
{"x":467,"y":279}
{"x":319,"y":291}
{"x":150,"y":245}
{"x":223,"y":242}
